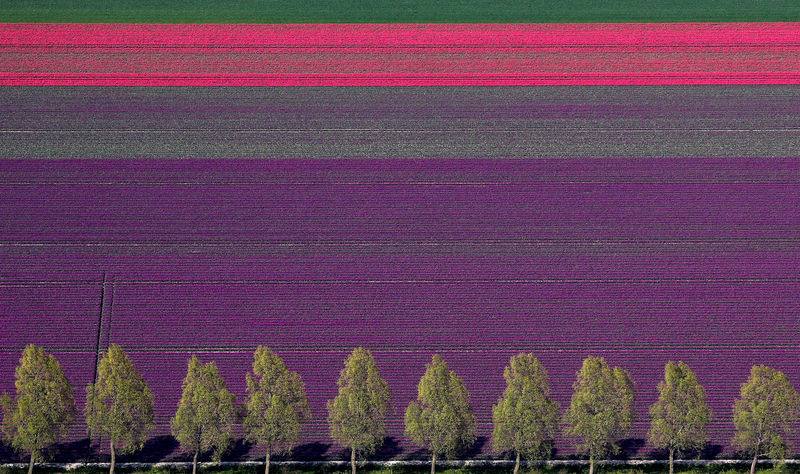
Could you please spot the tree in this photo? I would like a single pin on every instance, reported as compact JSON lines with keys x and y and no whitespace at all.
{"x":601,"y":409}
{"x":119,"y":405}
{"x":43,"y":409}
{"x":277,"y":404}
{"x":441,"y":418}
{"x":525,"y":418}
{"x":206,"y":412}
{"x":681,"y":414}
{"x":357,"y":416}
{"x":764,"y":413}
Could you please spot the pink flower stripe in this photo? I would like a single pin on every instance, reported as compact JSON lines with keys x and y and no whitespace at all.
{"x":399,"y":54}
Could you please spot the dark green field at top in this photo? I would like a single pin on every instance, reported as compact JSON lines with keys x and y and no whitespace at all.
{"x":397,"y":11}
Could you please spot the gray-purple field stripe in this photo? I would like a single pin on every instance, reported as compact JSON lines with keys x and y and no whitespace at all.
{"x":412,"y":122}
{"x":563,"y":221}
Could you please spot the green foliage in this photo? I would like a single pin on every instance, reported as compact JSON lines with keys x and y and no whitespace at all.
{"x":119,"y":405}
{"x":357,"y":415}
{"x":277,"y":404}
{"x":681,"y":414}
{"x":206,"y":411}
{"x":601,"y":409}
{"x":525,"y":418}
{"x":764,"y":413}
{"x":404,"y":11}
{"x":441,"y":418}
{"x":43,"y":409}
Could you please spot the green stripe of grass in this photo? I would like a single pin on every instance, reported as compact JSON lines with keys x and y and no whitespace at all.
{"x":396,"y":11}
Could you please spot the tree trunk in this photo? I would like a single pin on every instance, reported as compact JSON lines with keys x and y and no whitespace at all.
{"x":353,"y":460}
{"x":516,"y":466}
{"x":194,"y":462}
{"x":30,"y":465}
{"x":591,"y":464}
{"x":671,"y":461}
{"x":433,"y":464}
{"x":266,"y":464}
{"x":113,"y":458}
{"x":753,"y":465}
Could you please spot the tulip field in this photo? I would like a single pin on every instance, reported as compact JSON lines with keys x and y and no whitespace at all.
{"x":639,"y":224}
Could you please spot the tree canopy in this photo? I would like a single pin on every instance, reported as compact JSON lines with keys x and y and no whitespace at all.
{"x":764,"y":413}
{"x":119,"y":405}
{"x":681,"y":415}
{"x":441,"y":419}
{"x":357,"y":415}
{"x":601,"y":409}
{"x":206,"y":412}
{"x":526,"y":417}
{"x":43,"y":407}
{"x":277,"y":404}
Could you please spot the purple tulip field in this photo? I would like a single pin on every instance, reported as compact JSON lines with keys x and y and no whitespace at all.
{"x":642,"y":225}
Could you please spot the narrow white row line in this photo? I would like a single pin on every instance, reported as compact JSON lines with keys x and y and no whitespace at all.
{"x":373,"y":243}
{"x":398,"y":130}
{"x":405,"y":281}
{"x":413,"y":183}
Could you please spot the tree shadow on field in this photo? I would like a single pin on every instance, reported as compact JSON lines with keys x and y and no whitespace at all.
{"x":711,"y":451}
{"x":155,"y":449}
{"x":550,"y":452}
{"x":471,"y":452}
{"x":420,"y":454}
{"x":388,"y":450}
{"x":341,"y":454}
{"x":9,"y":454}
{"x":575,"y":456}
{"x":474,"y":451}
{"x":239,"y":450}
{"x":72,"y":451}
{"x":657,"y":454}
{"x":310,"y":451}
{"x":629,"y":447}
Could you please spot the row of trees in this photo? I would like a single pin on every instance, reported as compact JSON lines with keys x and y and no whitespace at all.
{"x":119,"y":407}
